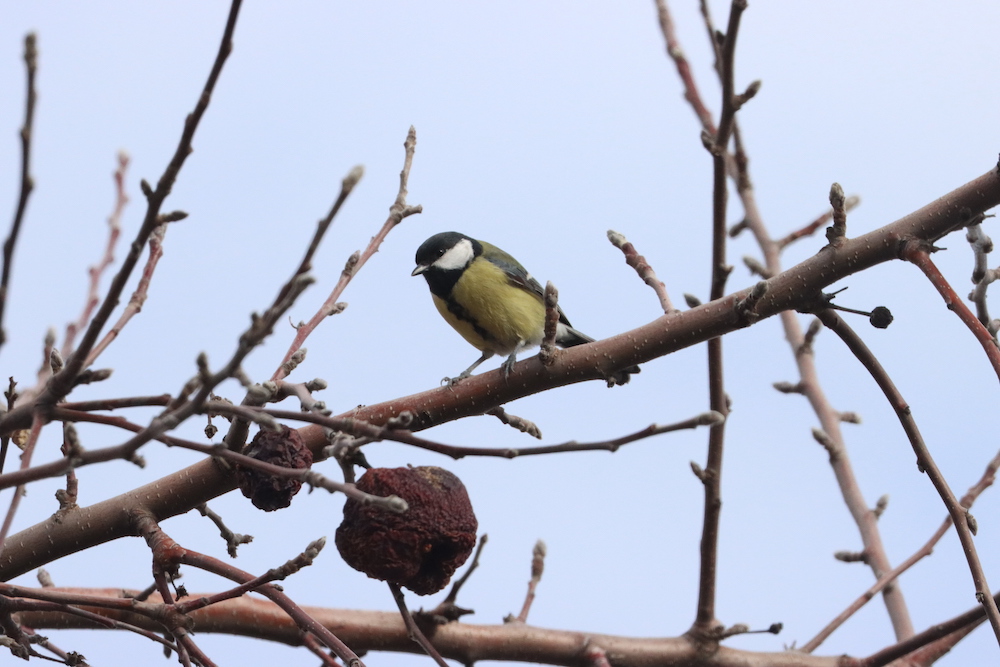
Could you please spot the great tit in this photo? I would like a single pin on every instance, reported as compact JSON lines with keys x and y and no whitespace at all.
{"x":491,"y":300}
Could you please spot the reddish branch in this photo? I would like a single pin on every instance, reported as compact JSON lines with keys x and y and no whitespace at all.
{"x":918,"y":253}
{"x":96,"y":271}
{"x":676,"y":54}
{"x":642,"y":267}
{"x":138,"y":297}
{"x":397,"y":213}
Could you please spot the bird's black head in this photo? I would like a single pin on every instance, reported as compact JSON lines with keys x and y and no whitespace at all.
{"x":442,"y":258}
{"x":447,"y":251}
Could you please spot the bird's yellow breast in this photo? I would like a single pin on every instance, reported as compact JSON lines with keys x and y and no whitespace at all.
{"x":491,"y":313}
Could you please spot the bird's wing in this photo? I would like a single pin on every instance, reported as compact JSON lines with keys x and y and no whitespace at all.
{"x":518,"y":276}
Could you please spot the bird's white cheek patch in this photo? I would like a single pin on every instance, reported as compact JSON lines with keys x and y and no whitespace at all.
{"x":457,"y":257}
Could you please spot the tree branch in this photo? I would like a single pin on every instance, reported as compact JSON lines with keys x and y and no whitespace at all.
{"x":27,"y":182}
{"x":959,"y":515}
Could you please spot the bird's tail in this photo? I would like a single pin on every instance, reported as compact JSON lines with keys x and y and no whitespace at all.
{"x":567,"y":336}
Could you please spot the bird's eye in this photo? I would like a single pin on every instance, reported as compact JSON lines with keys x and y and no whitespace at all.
{"x":440,"y":252}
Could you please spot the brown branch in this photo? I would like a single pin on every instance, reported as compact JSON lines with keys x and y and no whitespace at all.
{"x":374,"y":433}
{"x":20,"y":601}
{"x":809,"y":381}
{"x":27,"y":181}
{"x":290,"y":567}
{"x":397,"y":213}
{"x":705,"y":624}
{"x":117,"y":403}
{"x":233,"y":539}
{"x":959,"y":515}
{"x":366,"y":630}
{"x":794,"y":288}
{"x":347,"y":186}
{"x":932,"y":634}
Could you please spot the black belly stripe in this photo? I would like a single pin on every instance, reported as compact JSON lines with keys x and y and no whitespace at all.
{"x":461,"y":313}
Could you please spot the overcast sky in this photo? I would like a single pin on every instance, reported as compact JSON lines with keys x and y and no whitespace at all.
{"x":540,"y":126}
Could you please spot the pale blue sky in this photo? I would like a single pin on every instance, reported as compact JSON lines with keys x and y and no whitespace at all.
{"x":540,"y":126}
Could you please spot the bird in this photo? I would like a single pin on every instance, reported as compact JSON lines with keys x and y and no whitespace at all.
{"x":491,"y":300}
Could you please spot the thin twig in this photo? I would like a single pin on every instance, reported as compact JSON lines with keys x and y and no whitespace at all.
{"x":813,"y":226}
{"x":676,"y":54}
{"x":520,"y":423}
{"x":347,"y":186}
{"x":233,"y":539}
{"x":547,"y":355}
{"x":62,"y":382}
{"x":809,"y":380}
{"x":537,"y":569}
{"x":27,"y":181}
{"x":457,"y":586}
{"x":917,"y":641}
{"x":36,"y":429}
{"x":96,"y":271}
{"x":967,"y":500}
{"x":837,"y":234}
{"x":138,"y":297}
{"x":642,"y":267}
{"x":392,"y":503}
{"x":397,"y":213}
{"x":959,"y":514}
{"x":919,"y":254}
{"x":705,"y":621}
{"x":982,"y":276}
{"x":290,"y":567}
{"x":412,"y":628}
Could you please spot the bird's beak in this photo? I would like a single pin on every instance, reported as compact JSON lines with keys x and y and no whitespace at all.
{"x":420,"y":269}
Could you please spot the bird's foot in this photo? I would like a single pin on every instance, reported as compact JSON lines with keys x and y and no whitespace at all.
{"x":507,"y":365}
{"x":451,"y":382}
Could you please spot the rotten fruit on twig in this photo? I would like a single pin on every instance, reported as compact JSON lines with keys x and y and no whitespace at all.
{"x":419,"y":549}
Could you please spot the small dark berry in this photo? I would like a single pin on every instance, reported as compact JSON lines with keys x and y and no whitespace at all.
{"x":420,"y":548}
{"x":281,"y":448}
{"x":880,"y":317}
